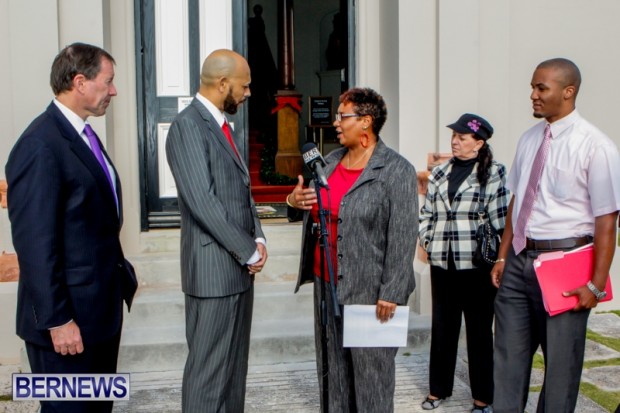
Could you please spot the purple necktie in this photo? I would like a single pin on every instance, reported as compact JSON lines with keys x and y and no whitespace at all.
{"x":94,"y":146}
{"x":518,"y":238}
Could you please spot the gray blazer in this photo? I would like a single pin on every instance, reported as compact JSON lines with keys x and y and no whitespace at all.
{"x":377,"y":231}
{"x":219,"y":222}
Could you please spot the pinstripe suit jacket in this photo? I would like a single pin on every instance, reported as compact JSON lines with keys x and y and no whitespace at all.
{"x":219,"y":222}
{"x":377,"y":231}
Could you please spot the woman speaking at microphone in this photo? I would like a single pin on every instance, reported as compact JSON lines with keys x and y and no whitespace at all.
{"x":373,"y":225}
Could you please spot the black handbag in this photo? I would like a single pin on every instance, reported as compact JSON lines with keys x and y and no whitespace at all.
{"x":487,"y":238}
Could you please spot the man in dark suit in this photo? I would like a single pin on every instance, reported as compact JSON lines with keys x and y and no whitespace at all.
{"x":65,"y":208}
{"x":222,"y":244}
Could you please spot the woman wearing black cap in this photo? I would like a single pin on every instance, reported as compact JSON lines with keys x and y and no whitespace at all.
{"x":448,"y":224}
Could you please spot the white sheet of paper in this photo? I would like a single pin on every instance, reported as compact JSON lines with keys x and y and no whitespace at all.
{"x":362,"y":329}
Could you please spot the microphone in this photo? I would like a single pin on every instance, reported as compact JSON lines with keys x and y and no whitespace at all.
{"x":315,"y":162}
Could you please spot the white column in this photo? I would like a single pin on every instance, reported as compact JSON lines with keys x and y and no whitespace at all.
{"x":122,"y":119}
{"x":30,"y":42}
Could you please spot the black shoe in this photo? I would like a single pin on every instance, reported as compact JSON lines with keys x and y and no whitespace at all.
{"x":430,"y":404}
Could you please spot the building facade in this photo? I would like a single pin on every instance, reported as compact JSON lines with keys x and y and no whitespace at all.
{"x":431,"y":59}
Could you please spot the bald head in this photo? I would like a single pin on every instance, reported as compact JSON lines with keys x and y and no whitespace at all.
{"x":225,"y":80}
{"x":568,"y":73}
{"x":220,"y":64}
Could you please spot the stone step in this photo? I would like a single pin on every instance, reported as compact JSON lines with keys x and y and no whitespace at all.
{"x":154,"y":331}
{"x":161,"y":307}
{"x":158,"y":265}
{"x":282,"y":328}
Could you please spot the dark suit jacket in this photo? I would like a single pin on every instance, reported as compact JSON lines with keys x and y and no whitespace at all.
{"x":65,"y":229}
{"x":377,"y":231}
{"x":219,"y":222}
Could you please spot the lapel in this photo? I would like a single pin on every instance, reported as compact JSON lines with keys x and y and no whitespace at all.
{"x":218,"y":134}
{"x":442,"y":183}
{"x":372,"y":170}
{"x":333,"y":159}
{"x":373,"y":167}
{"x":85,"y":154}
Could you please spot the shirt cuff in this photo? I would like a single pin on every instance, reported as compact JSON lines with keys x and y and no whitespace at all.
{"x":256,"y":256}
{"x":54,"y":328}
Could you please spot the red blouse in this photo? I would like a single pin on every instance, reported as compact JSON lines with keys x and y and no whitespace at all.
{"x":340,"y":181}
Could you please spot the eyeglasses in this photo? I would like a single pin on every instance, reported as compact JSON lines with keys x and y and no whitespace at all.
{"x":340,"y":116}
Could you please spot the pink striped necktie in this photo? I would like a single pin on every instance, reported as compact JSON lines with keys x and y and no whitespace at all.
{"x":518,"y":239}
{"x":96,"y":148}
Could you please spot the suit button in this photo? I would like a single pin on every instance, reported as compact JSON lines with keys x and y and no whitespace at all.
{"x":339,"y":256}
{"x":340,"y":277}
{"x":339,"y":237}
{"x":340,"y":220}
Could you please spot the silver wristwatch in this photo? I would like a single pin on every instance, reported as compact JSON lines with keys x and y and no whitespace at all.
{"x":597,"y":293}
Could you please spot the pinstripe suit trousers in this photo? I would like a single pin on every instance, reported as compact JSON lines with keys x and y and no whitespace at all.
{"x":361,"y":380}
{"x":217,"y":364}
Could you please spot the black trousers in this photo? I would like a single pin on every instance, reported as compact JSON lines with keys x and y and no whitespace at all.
{"x":456,"y":293}
{"x":96,"y":358}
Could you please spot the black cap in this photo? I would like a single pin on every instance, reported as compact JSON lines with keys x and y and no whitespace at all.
{"x":470,"y":123}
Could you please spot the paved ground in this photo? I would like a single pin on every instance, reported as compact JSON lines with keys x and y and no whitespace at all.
{"x":293,"y":388}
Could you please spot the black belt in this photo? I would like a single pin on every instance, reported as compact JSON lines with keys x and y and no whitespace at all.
{"x":556,"y":244}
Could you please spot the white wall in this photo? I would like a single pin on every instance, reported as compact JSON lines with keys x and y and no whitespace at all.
{"x":457,"y":56}
{"x":478,"y":56}
{"x":29,"y":41}
{"x":418,"y":99}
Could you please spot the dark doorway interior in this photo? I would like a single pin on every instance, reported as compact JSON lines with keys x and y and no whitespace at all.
{"x":320,"y":68}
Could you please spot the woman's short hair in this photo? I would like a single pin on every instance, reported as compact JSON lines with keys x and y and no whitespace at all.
{"x":77,"y":58}
{"x":367,"y":102}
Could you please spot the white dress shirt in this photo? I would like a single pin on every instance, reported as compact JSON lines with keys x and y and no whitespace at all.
{"x":580,"y":180}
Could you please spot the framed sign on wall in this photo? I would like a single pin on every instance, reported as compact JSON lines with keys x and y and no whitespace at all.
{"x":320,"y":111}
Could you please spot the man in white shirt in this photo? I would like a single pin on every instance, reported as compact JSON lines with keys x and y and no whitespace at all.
{"x":565,"y":181}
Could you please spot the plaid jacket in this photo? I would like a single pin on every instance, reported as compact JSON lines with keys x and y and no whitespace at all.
{"x":445,"y":226}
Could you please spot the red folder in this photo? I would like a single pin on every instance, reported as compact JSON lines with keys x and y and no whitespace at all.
{"x":561,"y":271}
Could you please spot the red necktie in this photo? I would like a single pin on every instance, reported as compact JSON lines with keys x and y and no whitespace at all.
{"x":226,"y":130}
{"x":518,"y":238}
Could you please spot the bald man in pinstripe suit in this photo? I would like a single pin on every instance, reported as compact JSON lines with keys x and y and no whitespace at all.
{"x":222,"y":243}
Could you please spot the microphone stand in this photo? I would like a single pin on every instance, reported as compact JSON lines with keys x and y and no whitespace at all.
{"x":325,"y":257}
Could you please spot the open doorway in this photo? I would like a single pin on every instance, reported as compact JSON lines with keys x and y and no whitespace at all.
{"x":321,"y":67}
